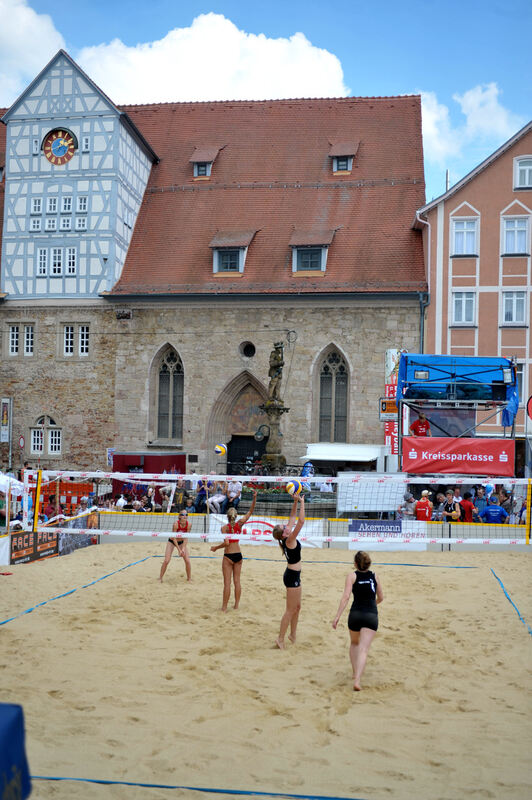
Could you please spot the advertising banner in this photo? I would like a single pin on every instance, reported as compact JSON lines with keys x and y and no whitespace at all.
{"x":5,"y":419}
{"x":395,"y":534}
{"x":28,"y":546}
{"x":491,"y":457}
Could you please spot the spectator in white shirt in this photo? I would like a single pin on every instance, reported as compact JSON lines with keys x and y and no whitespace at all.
{"x":232,"y":498}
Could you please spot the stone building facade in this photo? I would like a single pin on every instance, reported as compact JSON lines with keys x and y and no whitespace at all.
{"x":166,"y":353}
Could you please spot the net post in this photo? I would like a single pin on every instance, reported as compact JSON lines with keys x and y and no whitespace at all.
{"x":36,"y":506}
{"x":528,"y":508}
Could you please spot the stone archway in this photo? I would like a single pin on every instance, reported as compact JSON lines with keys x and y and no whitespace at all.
{"x":236,"y":410}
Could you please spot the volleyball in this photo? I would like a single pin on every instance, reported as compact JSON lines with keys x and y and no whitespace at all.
{"x":294,"y":487}
{"x":220,"y":450}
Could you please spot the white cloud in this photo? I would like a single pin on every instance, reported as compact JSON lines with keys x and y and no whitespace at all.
{"x":213,"y":60}
{"x":27,"y":42}
{"x":485,"y":116}
{"x":484,"y":123}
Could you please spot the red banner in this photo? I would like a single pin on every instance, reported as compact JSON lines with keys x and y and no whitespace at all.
{"x":426,"y":455}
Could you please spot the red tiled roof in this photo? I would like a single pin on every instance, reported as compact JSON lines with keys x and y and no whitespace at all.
{"x":274,"y":176}
{"x":343,"y":149}
{"x":232,"y":238}
{"x":310,"y":236}
{"x":204,"y":154}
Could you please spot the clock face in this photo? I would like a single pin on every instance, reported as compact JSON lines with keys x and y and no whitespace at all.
{"x":59,"y":147}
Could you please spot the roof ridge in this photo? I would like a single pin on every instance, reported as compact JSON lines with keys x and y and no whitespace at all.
{"x":270,"y":100}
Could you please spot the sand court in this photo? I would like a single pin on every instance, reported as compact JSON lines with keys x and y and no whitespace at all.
{"x":132,"y":680}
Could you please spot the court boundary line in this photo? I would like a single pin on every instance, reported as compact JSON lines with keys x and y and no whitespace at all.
{"x":71,"y":591}
{"x":525,"y":623}
{"x":241,"y":792}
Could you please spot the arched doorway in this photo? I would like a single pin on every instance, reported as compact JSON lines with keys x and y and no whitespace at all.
{"x":235,"y":418}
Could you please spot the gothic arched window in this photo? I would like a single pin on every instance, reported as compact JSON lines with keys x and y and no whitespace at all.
{"x":170,"y":397}
{"x":333,"y":398}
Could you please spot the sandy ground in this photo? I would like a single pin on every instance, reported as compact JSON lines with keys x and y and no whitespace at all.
{"x":129,"y":679}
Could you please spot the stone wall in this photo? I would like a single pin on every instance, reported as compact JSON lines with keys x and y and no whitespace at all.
{"x":108,"y":400}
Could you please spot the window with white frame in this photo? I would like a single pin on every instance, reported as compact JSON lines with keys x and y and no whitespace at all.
{"x":29,"y":339}
{"x":81,"y":223}
{"x":342,"y":163}
{"x":71,"y":260}
{"x":83,"y":336}
{"x":523,"y":173}
{"x":202,"y":169}
{"x":42,"y":261}
{"x":57,"y":261}
{"x":51,"y":224}
{"x":14,"y":335}
{"x":36,"y":205}
{"x":463,"y":308}
{"x":333,"y":399}
{"x":465,"y":237}
{"x":35,"y":224}
{"x":514,"y":308}
{"x":54,"y":441}
{"x":66,"y":223}
{"x":229,"y":259}
{"x":82,"y":204}
{"x":515,"y":236}
{"x":66,"y":205}
{"x":46,"y":431}
{"x":309,"y":259}
{"x":36,"y":147}
{"x":68,"y":340}
{"x":37,"y":440}
{"x":85,"y":144}
{"x":51,"y":205}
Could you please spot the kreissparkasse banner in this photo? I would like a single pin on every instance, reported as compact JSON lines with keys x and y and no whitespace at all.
{"x":459,"y":456}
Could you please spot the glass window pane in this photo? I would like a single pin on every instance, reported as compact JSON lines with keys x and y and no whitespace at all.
{"x":340,"y":408}
{"x":177,"y":406}
{"x":325,"y":407}
{"x":164,"y":404}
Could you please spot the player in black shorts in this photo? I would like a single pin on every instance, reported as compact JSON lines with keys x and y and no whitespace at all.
{"x":286,"y":535}
{"x":363,"y":620}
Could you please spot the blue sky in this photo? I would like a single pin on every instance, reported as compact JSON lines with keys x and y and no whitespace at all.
{"x":470,"y":60}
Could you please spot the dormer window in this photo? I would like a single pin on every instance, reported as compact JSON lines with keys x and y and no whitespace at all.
{"x":342,"y":164}
{"x":229,"y":251}
{"x":202,"y":168}
{"x":310,"y":249}
{"x":202,"y":160}
{"x":342,"y":155}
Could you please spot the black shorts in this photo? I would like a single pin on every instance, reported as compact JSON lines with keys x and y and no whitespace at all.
{"x":173,"y":541}
{"x":358,"y":618}
{"x":292,"y":578}
{"x":234,"y":557}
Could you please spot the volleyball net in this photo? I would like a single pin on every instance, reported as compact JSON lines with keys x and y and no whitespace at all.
{"x":352,"y":510}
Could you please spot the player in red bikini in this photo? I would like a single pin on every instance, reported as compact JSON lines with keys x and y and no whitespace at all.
{"x":181,"y":527}
{"x":232,"y":559}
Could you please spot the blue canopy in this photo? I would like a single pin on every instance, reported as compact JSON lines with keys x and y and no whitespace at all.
{"x":430,"y":377}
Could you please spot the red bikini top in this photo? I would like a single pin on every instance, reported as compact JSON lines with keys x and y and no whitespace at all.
{"x":180,"y":527}
{"x":234,"y":529}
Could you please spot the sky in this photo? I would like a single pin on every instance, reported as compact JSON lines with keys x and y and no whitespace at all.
{"x":470,"y":60}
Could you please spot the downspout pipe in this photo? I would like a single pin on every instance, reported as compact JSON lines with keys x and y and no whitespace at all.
{"x":424,"y":301}
{"x":424,"y":297}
